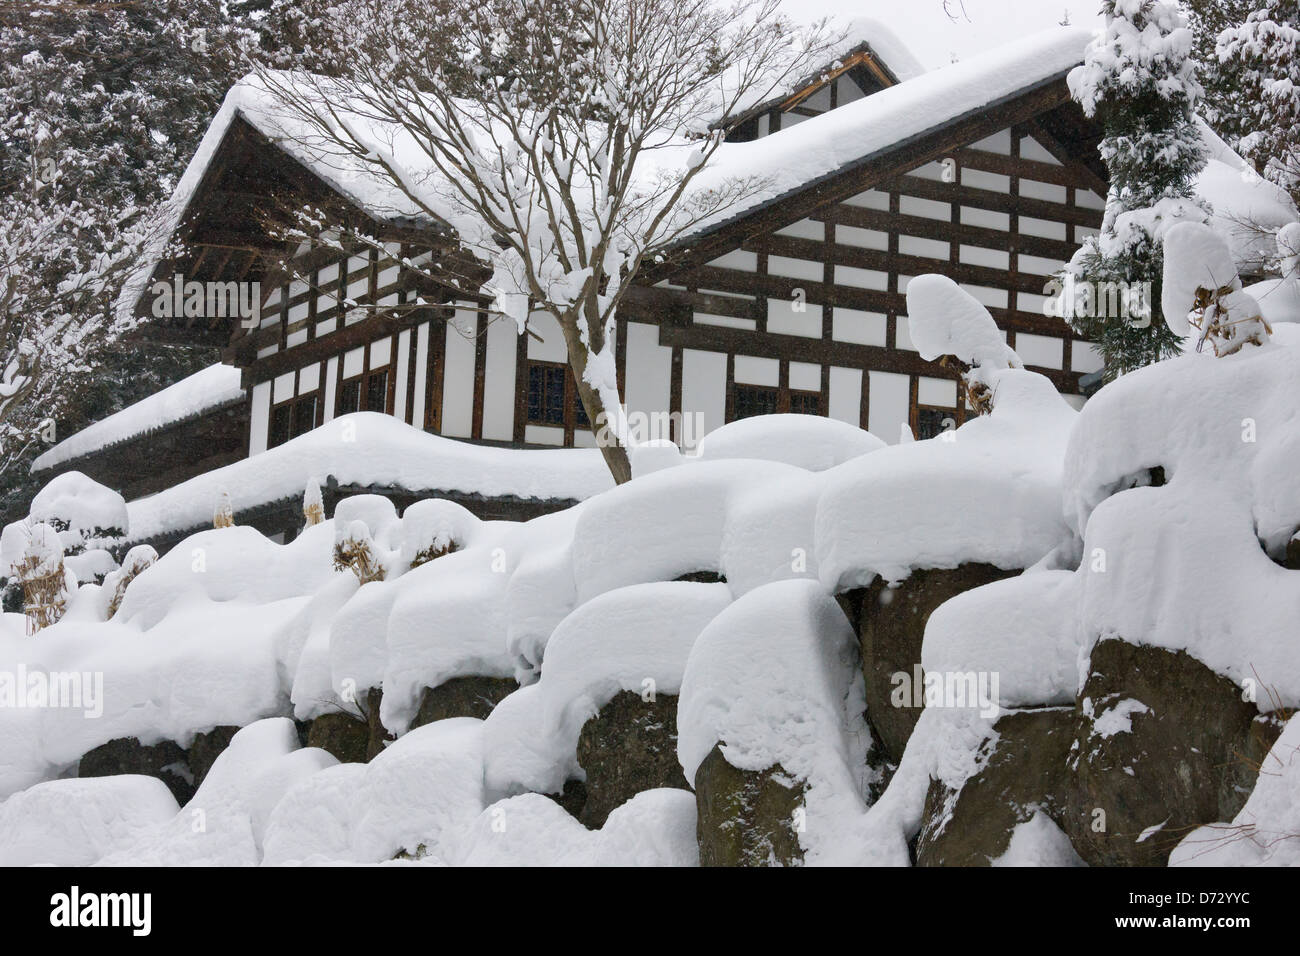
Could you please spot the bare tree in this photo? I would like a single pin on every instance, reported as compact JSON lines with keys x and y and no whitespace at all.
{"x":562,"y":141}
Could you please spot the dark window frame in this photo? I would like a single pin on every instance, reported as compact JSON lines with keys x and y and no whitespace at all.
{"x":288,"y":411}
{"x":573,"y":417}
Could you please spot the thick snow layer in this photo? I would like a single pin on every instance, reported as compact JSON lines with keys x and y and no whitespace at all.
{"x":775,"y":679}
{"x":75,"y":822}
{"x":418,"y":797}
{"x":662,"y":525}
{"x":805,"y":441}
{"x":448,"y":619}
{"x":82,"y":503}
{"x":375,"y":512}
{"x":1246,"y":209}
{"x":794,"y":158}
{"x":1039,"y":842}
{"x":988,"y":491}
{"x":1022,"y":629}
{"x":201,"y":392}
{"x":1267,"y":830}
{"x":945,"y":319}
{"x":654,"y":828}
{"x":634,"y":639}
{"x":368,"y":448}
{"x":194,"y":645}
{"x":435,"y":525}
{"x":1223,"y":430}
{"x":768,"y":534}
{"x":224,"y":822}
{"x":1278,"y":299}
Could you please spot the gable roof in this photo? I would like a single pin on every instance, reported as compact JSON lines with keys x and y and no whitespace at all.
{"x":866,"y":42}
{"x":990,"y":90}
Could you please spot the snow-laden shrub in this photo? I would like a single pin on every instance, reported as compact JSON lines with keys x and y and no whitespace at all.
{"x":44,"y":578}
{"x":355,"y":550}
{"x":364,"y":529}
{"x":433,"y":528}
{"x":138,"y":560}
{"x":81,"y":510}
{"x":223,"y":513}
{"x":378,"y":515}
{"x":945,"y":321}
{"x":1202,"y":291}
{"x":313,"y":507}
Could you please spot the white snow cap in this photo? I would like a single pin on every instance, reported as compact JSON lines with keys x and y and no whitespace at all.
{"x":805,"y":441}
{"x":83,"y":504}
{"x":1195,"y":257}
{"x":945,"y":319}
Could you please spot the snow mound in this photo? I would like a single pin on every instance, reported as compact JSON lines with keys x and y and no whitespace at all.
{"x":662,"y":525}
{"x":1038,"y":842}
{"x":988,"y":491}
{"x":76,"y":822}
{"x":634,"y":639}
{"x":224,"y":823}
{"x":775,"y":680}
{"x":945,"y":319}
{"x":1021,"y":630}
{"x":805,"y":441}
{"x":654,"y":828}
{"x":86,"y":508}
{"x":418,"y":797}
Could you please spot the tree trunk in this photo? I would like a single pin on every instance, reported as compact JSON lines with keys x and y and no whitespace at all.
{"x":613,"y":451}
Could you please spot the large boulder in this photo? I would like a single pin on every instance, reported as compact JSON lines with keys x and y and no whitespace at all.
{"x":1023,"y":773}
{"x":745,"y":817}
{"x":165,"y":760}
{"x":629,"y":747}
{"x":890,"y":622}
{"x":1162,"y":744}
{"x":462,"y":697}
{"x":346,"y":736}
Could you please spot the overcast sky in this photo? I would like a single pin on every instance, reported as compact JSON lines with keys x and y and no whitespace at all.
{"x":935,"y":38}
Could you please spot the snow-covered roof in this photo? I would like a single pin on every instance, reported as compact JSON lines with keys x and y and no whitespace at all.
{"x":370,"y":449}
{"x":778,"y":165}
{"x":859,"y":35}
{"x":213,"y":387}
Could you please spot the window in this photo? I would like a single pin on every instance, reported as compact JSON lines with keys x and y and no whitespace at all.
{"x":751,"y":400}
{"x":932,"y":422}
{"x":291,"y":419}
{"x":377,"y":391}
{"x":349,"y":397}
{"x":372,"y":387}
{"x":553,"y":399}
{"x":280,"y":424}
{"x":304,"y":415}
{"x":806,"y":403}
{"x":546,"y":388}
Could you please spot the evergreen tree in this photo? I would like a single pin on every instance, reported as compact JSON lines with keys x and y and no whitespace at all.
{"x":1139,"y":81}
{"x":1259,"y":58}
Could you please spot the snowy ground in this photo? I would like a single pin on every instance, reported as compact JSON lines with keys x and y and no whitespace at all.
{"x":230,"y":628}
